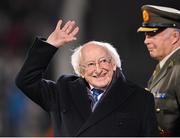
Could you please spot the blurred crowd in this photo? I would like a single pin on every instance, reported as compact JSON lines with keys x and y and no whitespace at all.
{"x":20,"y":22}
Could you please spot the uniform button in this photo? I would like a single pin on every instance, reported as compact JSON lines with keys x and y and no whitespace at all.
{"x":158,"y":109}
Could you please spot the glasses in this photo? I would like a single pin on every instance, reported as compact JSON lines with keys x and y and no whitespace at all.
{"x":102,"y":62}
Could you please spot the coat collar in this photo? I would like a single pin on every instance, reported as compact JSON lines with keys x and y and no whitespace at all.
{"x":78,"y":91}
{"x":115,"y":97}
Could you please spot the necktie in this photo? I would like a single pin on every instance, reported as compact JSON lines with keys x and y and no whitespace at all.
{"x":94,"y":96}
{"x":96,"y":93}
{"x":156,"y":71}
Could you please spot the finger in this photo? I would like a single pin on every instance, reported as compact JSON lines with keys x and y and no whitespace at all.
{"x":66,"y":26}
{"x":74,"y":32}
{"x":69,"y":39}
{"x":70,"y":27}
{"x":58,"y":26}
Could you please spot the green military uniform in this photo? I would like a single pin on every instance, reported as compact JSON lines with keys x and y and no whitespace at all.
{"x":166,"y":90}
{"x":165,"y":85}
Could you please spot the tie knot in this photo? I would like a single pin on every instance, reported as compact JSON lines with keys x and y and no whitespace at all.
{"x":96,"y":93}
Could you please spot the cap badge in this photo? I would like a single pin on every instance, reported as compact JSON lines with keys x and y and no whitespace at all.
{"x":146,"y":16}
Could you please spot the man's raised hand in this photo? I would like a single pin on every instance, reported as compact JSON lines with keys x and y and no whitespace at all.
{"x":63,"y":35}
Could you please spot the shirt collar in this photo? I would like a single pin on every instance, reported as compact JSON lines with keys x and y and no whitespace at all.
{"x":91,"y":87}
{"x":162,"y":62}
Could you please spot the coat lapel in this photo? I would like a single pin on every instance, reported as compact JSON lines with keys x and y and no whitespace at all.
{"x":161,"y":74}
{"x":115,"y":97}
{"x":80,"y":97}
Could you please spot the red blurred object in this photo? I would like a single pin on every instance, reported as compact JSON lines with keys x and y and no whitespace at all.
{"x":50,"y":132}
{"x":165,"y":133}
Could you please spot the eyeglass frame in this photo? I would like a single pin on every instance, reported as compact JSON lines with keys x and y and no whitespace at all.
{"x":92,"y":65}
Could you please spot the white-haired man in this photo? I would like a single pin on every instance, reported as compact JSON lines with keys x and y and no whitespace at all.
{"x":98,"y":101}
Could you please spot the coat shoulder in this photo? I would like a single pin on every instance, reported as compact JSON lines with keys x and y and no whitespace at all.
{"x":68,"y":78}
{"x":138,"y":89}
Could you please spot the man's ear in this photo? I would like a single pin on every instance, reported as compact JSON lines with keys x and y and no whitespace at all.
{"x":176,"y":37}
{"x":114,"y":67}
{"x":82,"y":73}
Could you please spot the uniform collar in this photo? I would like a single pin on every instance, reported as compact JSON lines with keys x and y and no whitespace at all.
{"x":162,"y":62}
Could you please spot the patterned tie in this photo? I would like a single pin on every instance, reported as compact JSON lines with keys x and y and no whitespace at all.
{"x":96,"y":93}
{"x":94,"y":96}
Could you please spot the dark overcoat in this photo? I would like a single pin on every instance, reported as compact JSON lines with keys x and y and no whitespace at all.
{"x":125,"y":110}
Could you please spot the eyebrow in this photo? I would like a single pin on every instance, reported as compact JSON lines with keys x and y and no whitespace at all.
{"x":98,"y":59}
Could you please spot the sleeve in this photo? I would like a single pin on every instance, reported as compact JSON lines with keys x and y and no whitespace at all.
{"x":30,"y":78}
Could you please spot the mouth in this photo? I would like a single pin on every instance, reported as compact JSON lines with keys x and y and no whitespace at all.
{"x":150,"y":50}
{"x":101,"y":76}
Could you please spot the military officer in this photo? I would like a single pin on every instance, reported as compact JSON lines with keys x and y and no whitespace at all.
{"x":161,"y":26}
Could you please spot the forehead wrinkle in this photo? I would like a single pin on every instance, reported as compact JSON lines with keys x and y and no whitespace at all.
{"x":91,"y":48}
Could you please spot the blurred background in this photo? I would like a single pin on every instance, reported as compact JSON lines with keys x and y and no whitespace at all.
{"x":112,"y":21}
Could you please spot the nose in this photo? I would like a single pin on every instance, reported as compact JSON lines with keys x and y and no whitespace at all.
{"x":146,"y":40}
{"x":98,"y":68}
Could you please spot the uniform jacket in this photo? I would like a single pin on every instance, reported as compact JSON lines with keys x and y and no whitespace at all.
{"x":166,"y":90}
{"x":125,"y":110}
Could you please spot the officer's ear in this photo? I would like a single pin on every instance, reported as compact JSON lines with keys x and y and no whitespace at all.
{"x":176,"y":36}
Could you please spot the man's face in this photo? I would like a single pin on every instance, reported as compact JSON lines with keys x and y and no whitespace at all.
{"x":97,"y":66}
{"x":159,"y":44}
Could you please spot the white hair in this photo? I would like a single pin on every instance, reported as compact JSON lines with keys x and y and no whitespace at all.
{"x":76,"y":56}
